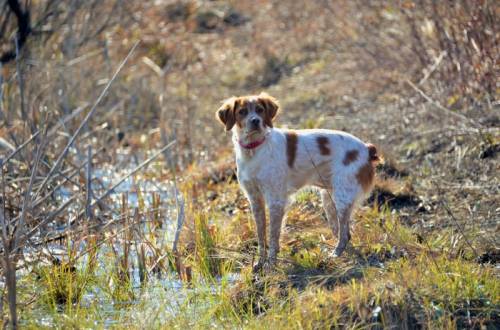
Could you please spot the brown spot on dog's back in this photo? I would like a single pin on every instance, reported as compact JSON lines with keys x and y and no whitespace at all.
{"x":365,"y":176}
{"x":323,"y":143}
{"x":291,"y":147}
{"x":350,"y":157}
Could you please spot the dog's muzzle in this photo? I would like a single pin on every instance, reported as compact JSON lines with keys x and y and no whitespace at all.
{"x":255,"y":124}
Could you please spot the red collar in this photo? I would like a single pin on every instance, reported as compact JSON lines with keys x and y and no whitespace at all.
{"x":252,"y":145}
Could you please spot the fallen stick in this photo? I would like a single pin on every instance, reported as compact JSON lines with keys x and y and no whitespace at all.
{"x":433,"y":68}
{"x":135,"y":170}
{"x":440,"y":107}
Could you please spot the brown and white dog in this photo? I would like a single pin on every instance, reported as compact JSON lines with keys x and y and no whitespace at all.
{"x":274,"y":163}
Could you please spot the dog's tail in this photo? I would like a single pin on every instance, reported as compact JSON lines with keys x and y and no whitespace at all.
{"x":373,"y":156}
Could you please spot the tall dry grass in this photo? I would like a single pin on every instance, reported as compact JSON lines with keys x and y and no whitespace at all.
{"x":190,"y":56}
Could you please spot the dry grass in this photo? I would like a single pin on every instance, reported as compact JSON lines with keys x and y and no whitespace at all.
{"x":417,"y":79}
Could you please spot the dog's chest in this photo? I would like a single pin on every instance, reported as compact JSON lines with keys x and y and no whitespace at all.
{"x":251,"y":171}
{"x":261,"y":169}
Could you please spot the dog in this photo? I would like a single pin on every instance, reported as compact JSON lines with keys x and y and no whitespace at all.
{"x":274,"y":163}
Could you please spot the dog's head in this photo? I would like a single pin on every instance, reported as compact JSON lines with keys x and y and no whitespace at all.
{"x":249,"y":114}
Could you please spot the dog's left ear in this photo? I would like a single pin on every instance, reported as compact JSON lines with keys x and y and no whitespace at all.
{"x":271,"y":105}
{"x":226,"y":113}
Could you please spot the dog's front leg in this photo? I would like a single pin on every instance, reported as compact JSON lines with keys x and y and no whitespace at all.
{"x":276,"y":213}
{"x":259,"y":214}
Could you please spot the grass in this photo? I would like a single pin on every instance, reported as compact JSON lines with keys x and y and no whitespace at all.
{"x":419,"y":285}
{"x":388,"y":277}
{"x":424,"y":249}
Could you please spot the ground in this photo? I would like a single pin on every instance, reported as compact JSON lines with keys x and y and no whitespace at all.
{"x":425,"y":246}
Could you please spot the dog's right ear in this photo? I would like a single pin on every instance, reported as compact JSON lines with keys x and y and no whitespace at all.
{"x":226,"y":113}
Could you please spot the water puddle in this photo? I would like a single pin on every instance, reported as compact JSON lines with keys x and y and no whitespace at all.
{"x":147,"y":199}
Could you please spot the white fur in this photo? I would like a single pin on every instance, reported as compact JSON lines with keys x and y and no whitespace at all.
{"x":267,"y":164}
{"x":265,"y":176}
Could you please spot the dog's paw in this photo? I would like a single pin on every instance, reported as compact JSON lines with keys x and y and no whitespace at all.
{"x":265,"y":267}
{"x":342,"y":249}
{"x":337,"y":253}
{"x":334,"y":255}
{"x":258,"y":267}
{"x":269,"y":266}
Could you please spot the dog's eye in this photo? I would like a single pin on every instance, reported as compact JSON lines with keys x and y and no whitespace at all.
{"x":259,"y":110}
{"x":243,"y":112}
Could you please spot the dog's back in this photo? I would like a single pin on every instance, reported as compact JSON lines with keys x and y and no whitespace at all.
{"x":315,"y":157}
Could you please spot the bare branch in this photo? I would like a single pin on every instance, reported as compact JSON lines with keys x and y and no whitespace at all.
{"x":23,"y":30}
{"x":440,"y":107}
{"x":85,"y":120}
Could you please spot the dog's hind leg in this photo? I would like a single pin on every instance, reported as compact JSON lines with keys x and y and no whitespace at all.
{"x":331,"y":213}
{"x":345,"y":196}
{"x":276,"y":213}
{"x":344,"y":216}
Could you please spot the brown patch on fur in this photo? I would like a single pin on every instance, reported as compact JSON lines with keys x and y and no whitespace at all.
{"x":350,"y":157}
{"x":240,"y":104}
{"x":226,"y":113}
{"x":365,"y":176}
{"x":366,"y":173}
{"x":292,"y":140}
{"x":372,"y":153}
{"x":323,"y":143}
{"x":271,"y":107}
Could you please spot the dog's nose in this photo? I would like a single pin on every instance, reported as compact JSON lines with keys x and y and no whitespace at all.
{"x":255,"y":121}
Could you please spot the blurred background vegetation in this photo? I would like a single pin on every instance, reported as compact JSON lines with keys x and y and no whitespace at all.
{"x":418,"y":78}
{"x":314,"y":56}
